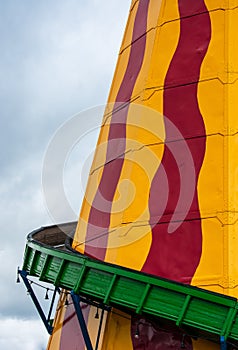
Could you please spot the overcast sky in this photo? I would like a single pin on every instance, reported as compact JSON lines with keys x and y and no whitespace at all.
{"x":57,"y":59}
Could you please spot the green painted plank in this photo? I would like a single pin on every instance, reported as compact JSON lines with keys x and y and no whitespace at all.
{"x":32,"y":261}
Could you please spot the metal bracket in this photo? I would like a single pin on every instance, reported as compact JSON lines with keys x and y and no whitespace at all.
{"x":45,"y":320}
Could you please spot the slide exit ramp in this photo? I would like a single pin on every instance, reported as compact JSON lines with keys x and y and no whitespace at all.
{"x":198,"y":312}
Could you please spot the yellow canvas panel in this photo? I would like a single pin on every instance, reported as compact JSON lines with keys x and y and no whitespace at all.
{"x":201,"y":344}
{"x":133,"y":2}
{"x":232,"y":4}
{"x":213,"y":66}
{"x":212,"y":269}
{"x":231,"y":43}
{"x":133,"y":254}
{"x":232,"y":259}
{"x":211,"y":185}
{"x":154,"y":15}
{"x":139,"y":168}
{"x":211,"y":94}
{"x":93,"y":323}
{"x":232,"y":142}
{"x":162,"y":54}
{"x":54,"y":340}
{"x":125,"y":235}
{"x":145,"y":127}
{"x":231,"y":107}
{"x":169,"y":12}
{"x":221,"y":4}
{"x":217,"y":270}
{"x":133,"y":187}
{"x":117,"y":332}
{"x":153,"y":98}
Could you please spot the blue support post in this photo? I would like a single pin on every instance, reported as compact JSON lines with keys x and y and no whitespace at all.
{"x":52,"y":303}
{"x":23,"y":275}
{"x":83,"y":327}
{"x":99,"y":330}
{"x":223,"y":343}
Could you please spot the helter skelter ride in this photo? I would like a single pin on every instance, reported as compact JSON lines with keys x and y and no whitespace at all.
{"x":152,"y":261}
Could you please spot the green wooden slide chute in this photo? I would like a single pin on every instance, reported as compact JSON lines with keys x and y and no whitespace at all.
{"x":199,"y":312}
